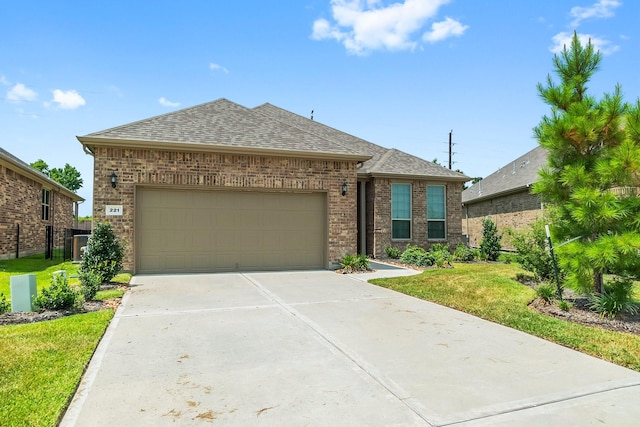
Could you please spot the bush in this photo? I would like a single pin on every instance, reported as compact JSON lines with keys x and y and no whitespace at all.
{"x":352,"y":263}
{"x":533,"y":256}
{"x":441,"y":254}
{"x":463,"y":253}
{"x":616,"y":298}
{"x":5,"y":306}
{"x":393,"y":253}
{"x":104,"y":253}
{"x":362,"y":262}
{"x":564,"y":305}
{"x":89,"y":284}
{"x":415,"y":255}
{"x":546,"y":292}
{"x":58,"y":296}
{"x":490,"y":246}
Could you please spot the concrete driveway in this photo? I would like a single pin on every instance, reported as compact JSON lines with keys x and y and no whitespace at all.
{"x":319,"y":348}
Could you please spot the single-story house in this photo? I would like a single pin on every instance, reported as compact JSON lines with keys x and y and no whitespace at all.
{"x":29,"y":202}
{"x":221,"y":187}
{"x":505,"y":197}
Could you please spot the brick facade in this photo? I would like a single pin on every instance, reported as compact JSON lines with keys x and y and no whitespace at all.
{"x":21,"y":205}
{"x":158,"y":168}
{"x":514,"y":211}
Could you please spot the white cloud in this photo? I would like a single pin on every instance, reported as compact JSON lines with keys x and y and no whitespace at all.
{"x":217,"y":67}
{"x":363,"y":26}
{"x":561,"y":40}
{"x":166,"y":103}
{"x":4,"y":81}
{"x":600,"y":9}
{"x":444,"y":29}
{"x":21,"y":93}
{"x":68,"y":100}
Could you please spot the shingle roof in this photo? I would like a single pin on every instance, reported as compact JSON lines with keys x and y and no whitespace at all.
{"x":517,"y":175}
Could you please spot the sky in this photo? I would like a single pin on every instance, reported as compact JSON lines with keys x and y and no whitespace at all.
{"x":401,"y":74}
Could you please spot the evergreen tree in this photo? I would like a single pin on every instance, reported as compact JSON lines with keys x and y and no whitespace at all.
{"x":490,"y":246}
{"x":593,"y":171}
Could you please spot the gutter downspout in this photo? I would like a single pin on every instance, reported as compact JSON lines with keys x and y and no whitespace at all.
{"x":363,"y":218}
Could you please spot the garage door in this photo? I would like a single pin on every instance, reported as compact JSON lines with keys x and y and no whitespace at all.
{"x":186,"y":231}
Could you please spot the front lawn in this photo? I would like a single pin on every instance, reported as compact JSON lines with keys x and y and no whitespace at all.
{"x":35,"y":264}
{"x":489,"y":291}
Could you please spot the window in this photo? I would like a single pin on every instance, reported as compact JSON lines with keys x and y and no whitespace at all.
{"x":436,"y":212}
{"x":401,"y":211}
{"x":45,"y":204}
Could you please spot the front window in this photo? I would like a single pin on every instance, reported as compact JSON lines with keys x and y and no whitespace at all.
{"x":436,"y":212}
{"x":401,"y":211}
{"x":45,"y":204}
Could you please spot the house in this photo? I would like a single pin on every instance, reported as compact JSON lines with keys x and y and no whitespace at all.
{"x":505,"y":197}
{"x":221,"y":187}
{"x":29,"y":202}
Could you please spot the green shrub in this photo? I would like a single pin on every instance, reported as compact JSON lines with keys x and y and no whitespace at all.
{"x":415,"y":255}
{"x":616,"y":298}
{"x":104,"y":253}
{"x":5,"y":306}
{"x":441,"y":255}
{"x":362,"y":262}
{"x":463,"y":253}
{"x":89,"y":284}
{"x":531,"y":247}
{"x":564,"y":305}
{"x":546,"y":292}
{"x":490,"y":246}
{"x":58,"y":296}
{"x":348,"y":262}
{"x":393,"y":253}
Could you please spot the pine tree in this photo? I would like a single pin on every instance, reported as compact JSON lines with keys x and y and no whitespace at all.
{"x":592,"y":174}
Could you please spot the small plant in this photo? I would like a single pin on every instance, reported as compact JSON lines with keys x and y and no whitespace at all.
{"x":463,"y":253}
{"x":616,"y":298}
{"x":490,"y":246}
{"x":393,"y":253}
{"x":564,"y":305}
{"x":104,"y":253}
{"x":415,"y":255}
{"x":348,"y":262}
{"x":546,"y":292}
{"x":5,"y":306}
{"x":89,"y":284}
{"x":58,"y":296}
{"x":441,"y":255}
{"x":362,"y":262}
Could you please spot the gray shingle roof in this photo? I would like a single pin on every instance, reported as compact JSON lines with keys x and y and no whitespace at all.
{"x":515,"y":176}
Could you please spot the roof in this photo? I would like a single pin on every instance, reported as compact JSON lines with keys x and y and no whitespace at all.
{"x":516,"y":176}
{"x":28,"y":171}
{"x":225,"y":126}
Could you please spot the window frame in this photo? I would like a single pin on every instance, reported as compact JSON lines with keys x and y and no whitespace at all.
{"x":439,"y":220}
{"x":45,"y":213}
{"x":410,"y":219}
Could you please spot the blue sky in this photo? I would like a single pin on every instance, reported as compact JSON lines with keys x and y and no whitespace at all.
{"x":398,"y":73}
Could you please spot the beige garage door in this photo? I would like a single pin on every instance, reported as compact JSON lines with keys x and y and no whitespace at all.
{"x":186,"y":231}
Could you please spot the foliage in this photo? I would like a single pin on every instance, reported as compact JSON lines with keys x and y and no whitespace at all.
{"x":362,"y":262}
{"x":531,"y":247}
{"x":68,"y":176}
{"x":593,"y":158}
{"x":104,"y":253}
{"x":415,"y":255}
{"x":463,"y":253}
{"x":393,"y":253}
{"x":564,"y":305}
{"x":89,"y":284}
{"x":546,"y":292}
{"x":441,"y":254}
{"x":58,"y":296}
{"x":352,"y":263}
{"x":5,"y":306}
{"x":616,"y":298}
{"x":34,"y":264}
{"x":490,"y":246}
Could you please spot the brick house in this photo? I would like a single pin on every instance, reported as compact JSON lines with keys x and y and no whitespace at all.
{"x":30,"y":201}
{"x":505,"y":197}
{"x":222,"y":187}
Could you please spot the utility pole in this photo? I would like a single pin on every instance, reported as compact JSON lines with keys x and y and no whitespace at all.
{"x":450,"y":148}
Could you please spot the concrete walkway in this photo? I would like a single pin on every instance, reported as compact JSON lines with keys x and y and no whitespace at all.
{"x":318,"y":348}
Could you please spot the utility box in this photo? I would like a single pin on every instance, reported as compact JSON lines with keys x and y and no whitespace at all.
{"x":23,"y":290}
{"x":80,"y":241}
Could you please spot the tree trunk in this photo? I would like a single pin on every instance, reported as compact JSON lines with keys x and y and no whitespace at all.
{"x":597,"y":282}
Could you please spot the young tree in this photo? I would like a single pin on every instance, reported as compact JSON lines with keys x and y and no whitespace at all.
{"x":593,"y":171}
{"x":490,"y":246}
{"x":68,"y":176}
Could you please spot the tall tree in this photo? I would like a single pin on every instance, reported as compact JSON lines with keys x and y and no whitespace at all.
{"x":68,"y":176}
{"x":593,"y":170}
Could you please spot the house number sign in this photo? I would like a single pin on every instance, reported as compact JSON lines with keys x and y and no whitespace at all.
{"x":114,"y":210}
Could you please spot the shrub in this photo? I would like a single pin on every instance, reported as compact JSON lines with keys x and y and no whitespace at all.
{"x":5,"y":306}
{"x":348,"y":262}
{"x":393,"y":253}
{"x":58,"y":296}
{"x":440,"y":254}
{"x":463,"y":253}
{"x":89,"y":284}
{"x":351,"y":263}
{"x":415,"y":255}
{"x":490,"y":244}
{"x":531,"y":247}
{"x":616,"y":298}
{"x":564,"y":305}
{"x":362,"y":262}
{"x":546,"y":292}
{"x":104,"y":253}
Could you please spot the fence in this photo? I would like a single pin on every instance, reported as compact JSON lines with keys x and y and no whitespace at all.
{"x":59,"y":242}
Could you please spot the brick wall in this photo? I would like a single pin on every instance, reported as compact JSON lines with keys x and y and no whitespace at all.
{"x":511,"y":211}
{"x":379,"y":204}
{"x":211,"y":170}
{"x":21,"y":204}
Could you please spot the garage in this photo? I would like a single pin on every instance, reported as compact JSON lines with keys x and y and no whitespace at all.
{"x":198,"y":231}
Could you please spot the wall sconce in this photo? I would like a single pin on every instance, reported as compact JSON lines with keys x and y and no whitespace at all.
{"x":114,"y":179}
{"x":344,"y":188}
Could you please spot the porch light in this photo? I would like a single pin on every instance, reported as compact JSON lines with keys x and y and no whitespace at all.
{"x":344,"y":188}
{"x":114,"y":179}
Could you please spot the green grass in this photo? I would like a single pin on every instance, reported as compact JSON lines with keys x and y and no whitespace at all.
{"x":489,"y":291}
{"x":36,"y":264}
{"x":41,"y":365}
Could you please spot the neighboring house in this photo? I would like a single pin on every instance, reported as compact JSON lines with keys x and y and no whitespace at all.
{"x":30,"y":201}
{"x":505,"y":197}
{"x":221,"y":187}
